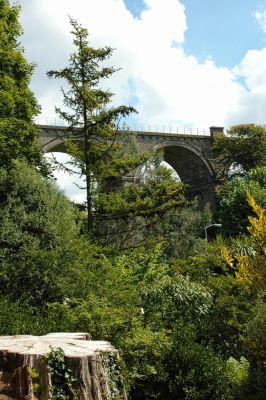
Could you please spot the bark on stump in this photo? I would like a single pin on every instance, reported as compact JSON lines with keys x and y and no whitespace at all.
{"x":94,"y":365}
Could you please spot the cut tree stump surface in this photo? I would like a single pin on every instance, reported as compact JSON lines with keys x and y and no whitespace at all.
{"x":41,"y":345}
{"x":94,"y":364}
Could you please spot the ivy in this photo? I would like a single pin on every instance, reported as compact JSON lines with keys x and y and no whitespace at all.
{"x":113,"y":374}
{"x":62,"y":378}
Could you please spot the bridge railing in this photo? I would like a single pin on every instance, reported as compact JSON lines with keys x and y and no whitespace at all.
{"x":49,"y":121}
{"x":161,"y":128}
{"x":153,"y":128}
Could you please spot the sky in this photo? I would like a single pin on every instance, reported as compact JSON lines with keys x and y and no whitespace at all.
{"x":191,"y":63}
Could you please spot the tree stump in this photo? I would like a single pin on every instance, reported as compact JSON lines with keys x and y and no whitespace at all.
{"x":89,"y":370}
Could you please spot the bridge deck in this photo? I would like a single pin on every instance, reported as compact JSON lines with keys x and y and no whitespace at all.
{"x":63,"y":130}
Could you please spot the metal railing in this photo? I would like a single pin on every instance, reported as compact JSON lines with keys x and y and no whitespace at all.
{"x":161,"y":128}
{"x":49,"y":121}
{"x":152,"y":128}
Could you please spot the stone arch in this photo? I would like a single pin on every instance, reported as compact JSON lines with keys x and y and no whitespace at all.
{"x":57,"y":144}
{"x":193,"y":168}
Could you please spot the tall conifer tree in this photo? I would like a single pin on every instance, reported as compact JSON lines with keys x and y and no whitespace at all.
{"x":108,"y":153}
{"x":88,"y":104}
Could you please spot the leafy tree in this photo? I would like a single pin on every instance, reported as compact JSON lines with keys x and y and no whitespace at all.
{"x":192,"y":366}
{"x":181,"y":230}
{"x":233,"y":207}
{"x":145,"y":212}
{"x":251,"y":268}
{"x":255,"y":342}
{"x":38,"y":234}
{"x":187,"y":350}
{"x":18,"y":106}
{"x":244,"y":145}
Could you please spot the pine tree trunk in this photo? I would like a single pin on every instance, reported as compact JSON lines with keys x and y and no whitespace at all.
{"x":94,"y":367}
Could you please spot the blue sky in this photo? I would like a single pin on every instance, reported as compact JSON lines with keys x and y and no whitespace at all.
{"x":223,"y":30}
{"x":135,"y":7}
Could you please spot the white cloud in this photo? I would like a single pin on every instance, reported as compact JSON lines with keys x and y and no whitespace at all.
{"x":261,"y":18}
{"x":252,"y":68}
{"x":251,"y":105}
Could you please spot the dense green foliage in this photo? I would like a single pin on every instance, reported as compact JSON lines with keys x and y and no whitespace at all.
{"x":178,"y":318}
{"x":244,"y":145}
{"x":183,"y":323}
{"x":233,"y":207}
{"x":18,"y":106}
{"x":36,"y":226}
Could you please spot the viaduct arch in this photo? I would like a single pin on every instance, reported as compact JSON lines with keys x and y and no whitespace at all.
{"x":190,"y":155}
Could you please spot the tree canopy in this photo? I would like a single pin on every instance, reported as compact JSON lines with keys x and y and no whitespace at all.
{"x":233,"y":208}
{"x":37,"y":226}
{"x":244,"y":145}
{"x":18,"y":106}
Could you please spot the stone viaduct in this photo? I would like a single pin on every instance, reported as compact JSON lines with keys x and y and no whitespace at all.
{"x":189,"y":154}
